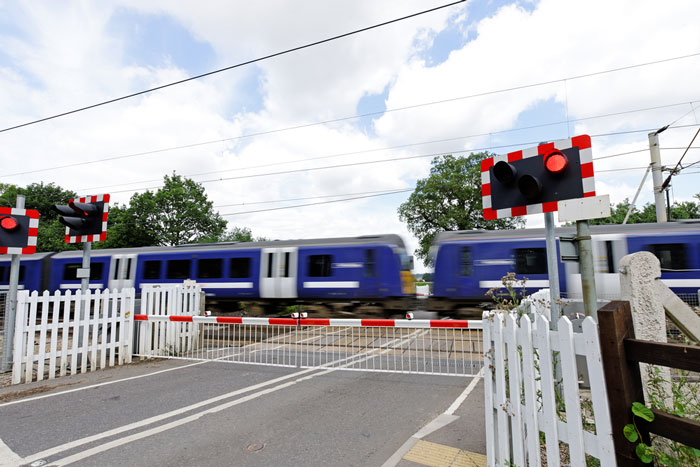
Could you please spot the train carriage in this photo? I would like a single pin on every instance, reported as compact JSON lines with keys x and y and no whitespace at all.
{"x":470,"y":263}
{"x":372,"y":269}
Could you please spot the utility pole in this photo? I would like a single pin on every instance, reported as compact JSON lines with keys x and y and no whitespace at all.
{"x":656,"y":175}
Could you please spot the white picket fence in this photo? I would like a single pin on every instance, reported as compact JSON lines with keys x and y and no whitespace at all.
{"x":167,"y":337}
{"x":523,"y":398}
{"x":47,"y":327}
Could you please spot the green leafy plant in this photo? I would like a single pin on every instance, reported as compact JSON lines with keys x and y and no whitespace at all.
{"x":685,"y":402}
{"x":631,"y":432}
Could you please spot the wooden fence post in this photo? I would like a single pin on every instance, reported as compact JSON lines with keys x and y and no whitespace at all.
{"x":622,"y":378}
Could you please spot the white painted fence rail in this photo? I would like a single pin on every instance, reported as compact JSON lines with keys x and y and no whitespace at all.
{"x":47,"y":328}
{"x":167,"y":337}
{"x":525,"y":399}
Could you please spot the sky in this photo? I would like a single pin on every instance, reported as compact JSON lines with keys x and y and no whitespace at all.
{"x":481,"y":75}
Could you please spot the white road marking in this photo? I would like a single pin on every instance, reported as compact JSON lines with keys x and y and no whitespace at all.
{"x":462,"y":397}
{"x":8,"y":458}
{"x":125,"y":440}
{"x":99,"y":384}
{"x":148,"y":421}
{"x":440,"y":421}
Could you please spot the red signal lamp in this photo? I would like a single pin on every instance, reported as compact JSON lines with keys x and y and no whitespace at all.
{"x":9,"y":223}
{"x":555,"y":162}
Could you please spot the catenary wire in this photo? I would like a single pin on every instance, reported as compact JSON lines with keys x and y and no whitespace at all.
{"x":388,"y":191}
{"x":248,"y":62}
{"x":296,"y":127}
{"x":318,"y":203}
{"x":328,"y":156}
{"x":353,"y":164}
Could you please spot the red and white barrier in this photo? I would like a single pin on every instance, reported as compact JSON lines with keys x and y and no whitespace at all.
{"x":394,"y":323}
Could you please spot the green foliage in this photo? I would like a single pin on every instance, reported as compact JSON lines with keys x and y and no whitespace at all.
{"x":685,"y":402}
{"x":642,"y":411}
{"x":177,"y":213}
{"x":630,"y":433}
{"x":236,"y":234}
{"x":42,"y":197}
{"x":448,"y":199}
{"x":682,"y":210}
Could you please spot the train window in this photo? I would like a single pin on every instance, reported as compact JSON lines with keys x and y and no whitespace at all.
{"x":117,"y":263}
{"x":96,"y":271}
{"x":240,"y":268}
{"x":609,"y":255}
{"x":465,"y":261}
{"x":286,"y":264}
{"x":672,"y":256}
{"x":270,"y":257}
{"x":370,"y":263}
{"x":320,"y":265}
{"x":128,"y":268}
{"x":5,"y":273}
{"x":530,"y":261}
{"x":151,"y":269}
{"x":70,"y":271}
{"x":178,"y":269}
{"x":210,"y":268}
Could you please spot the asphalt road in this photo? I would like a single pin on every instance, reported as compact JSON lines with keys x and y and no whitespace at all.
{"x":177,"y":413}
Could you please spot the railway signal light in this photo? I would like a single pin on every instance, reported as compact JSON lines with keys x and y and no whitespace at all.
{"x":533,"y":180}
{"x":85,"y":218}
{"x":18,"y":231}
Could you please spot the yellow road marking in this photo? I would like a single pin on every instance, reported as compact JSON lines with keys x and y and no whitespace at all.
{"x":438,"y":455}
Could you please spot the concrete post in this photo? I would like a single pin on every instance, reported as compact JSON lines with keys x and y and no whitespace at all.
{"x":657,"y":177}
{"x":639,"y":278}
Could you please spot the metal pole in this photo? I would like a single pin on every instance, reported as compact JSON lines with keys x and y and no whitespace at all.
{"x":84,"y":286}
{"x":11,"y":306}
{"x":585,"y":251}
{"x":552,"y":268}
{"x":657,"y":176}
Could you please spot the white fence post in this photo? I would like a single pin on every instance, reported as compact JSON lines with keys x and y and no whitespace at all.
{"x":516,"y":355}
{"x":46,"y":338}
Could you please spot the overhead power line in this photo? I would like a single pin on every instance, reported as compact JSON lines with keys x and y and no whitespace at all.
{"x":387,"y":192}
{"x":203,"y":143}
{"x":248,"y":62}
{"x":318,"y":203}
{"x":379,"y":161}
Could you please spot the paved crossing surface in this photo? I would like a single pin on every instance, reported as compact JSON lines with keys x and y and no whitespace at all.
{"x":167,"y":412}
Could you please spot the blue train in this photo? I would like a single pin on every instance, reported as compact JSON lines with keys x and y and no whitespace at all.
{"x":368,"y":269}
{"x":470,"y":263}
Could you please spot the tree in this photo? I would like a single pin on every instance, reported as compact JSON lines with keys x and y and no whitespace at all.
{"x":449,"y":199}
{"x":51,"y":235}
{"x":681,"y":210}
{"x":177,"y":213}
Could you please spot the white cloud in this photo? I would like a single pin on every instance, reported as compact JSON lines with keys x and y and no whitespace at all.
{"x":68,"y":56}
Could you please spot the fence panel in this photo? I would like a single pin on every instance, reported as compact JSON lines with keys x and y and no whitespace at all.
{"x":48,"y":328}
{"x":534,"y":356}
{"x":163,"y":336}
{"x":402,"y":346}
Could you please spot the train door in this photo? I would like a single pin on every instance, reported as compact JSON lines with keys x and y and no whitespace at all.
{"x":278,"y":272}
{"x":607,"y":252}
{"x":122,"y":272}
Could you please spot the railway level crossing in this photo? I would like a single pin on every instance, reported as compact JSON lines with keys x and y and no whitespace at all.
{"x":402,"y":346}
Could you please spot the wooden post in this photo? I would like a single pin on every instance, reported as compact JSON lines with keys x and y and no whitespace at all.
{"x":622,"y":378}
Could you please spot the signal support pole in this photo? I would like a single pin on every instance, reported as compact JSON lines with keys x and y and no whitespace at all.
{"x":84,"y":287}
{"x":11,"y":306}
{"x":552,"y":268}
{"x":656,"y":175}
{"x":585,"y":249}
